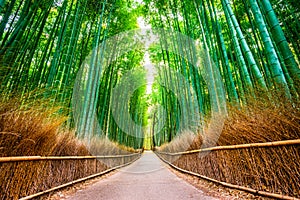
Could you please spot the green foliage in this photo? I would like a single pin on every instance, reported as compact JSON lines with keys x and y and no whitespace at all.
{"x":242,"y":42}
{"x":254,"y":44}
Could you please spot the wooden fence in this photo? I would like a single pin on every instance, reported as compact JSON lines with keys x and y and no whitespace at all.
{"x":229,"y":148}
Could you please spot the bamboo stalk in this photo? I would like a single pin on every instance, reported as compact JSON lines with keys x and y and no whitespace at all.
{"x":239,"y":146}
{"x":74,"y":182}
{"x":238,"y":187}
{"x":39,"y":158}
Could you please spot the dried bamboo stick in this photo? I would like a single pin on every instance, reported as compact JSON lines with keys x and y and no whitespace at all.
{"x":246,"y":189}
{"x":239,"y":146}
{"x":39,"y":158}
{"x":76,"y":181}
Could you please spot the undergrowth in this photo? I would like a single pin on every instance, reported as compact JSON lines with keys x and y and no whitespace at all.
{"x":271,"y":169}
{"x":36,"y":128}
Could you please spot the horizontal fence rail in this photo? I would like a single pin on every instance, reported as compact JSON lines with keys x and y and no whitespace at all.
{"x":238,"y":187}
{"x":81,"y":179}
{"x":233,"y":147}
{"x":40,"y":158}
{"x":239,"y":146}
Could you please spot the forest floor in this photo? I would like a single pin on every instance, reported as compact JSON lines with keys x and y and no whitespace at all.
{"x":149,"y":178}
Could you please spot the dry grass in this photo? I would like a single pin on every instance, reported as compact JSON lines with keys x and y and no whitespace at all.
{"x":271,"y":169}
{"x":31,"y":129}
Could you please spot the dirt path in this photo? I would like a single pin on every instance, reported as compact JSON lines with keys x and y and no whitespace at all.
{"x":147,"y":178}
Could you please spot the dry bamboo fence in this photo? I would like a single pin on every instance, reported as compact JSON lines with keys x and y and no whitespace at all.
{"x":67,"y":170}
{"x":39,"y":158}
{"x":218,"y":166}
{"x":85,"y":178}
{"x":239,"y":146}
{"x":246,"y":189}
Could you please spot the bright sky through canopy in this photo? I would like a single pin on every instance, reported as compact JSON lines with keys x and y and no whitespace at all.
{"x":146,"y":61}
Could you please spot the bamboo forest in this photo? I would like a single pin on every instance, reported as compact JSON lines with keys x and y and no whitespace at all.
{"x":210,"y":87}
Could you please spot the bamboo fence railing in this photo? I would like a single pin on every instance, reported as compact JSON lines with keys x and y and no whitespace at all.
{"x":239,"y":146}
{"x":233,"y":147}
{"x":39,"y":158}
{"x":82,"y":179}
{"x":46,"y":158}
{"x":238,"y":187}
